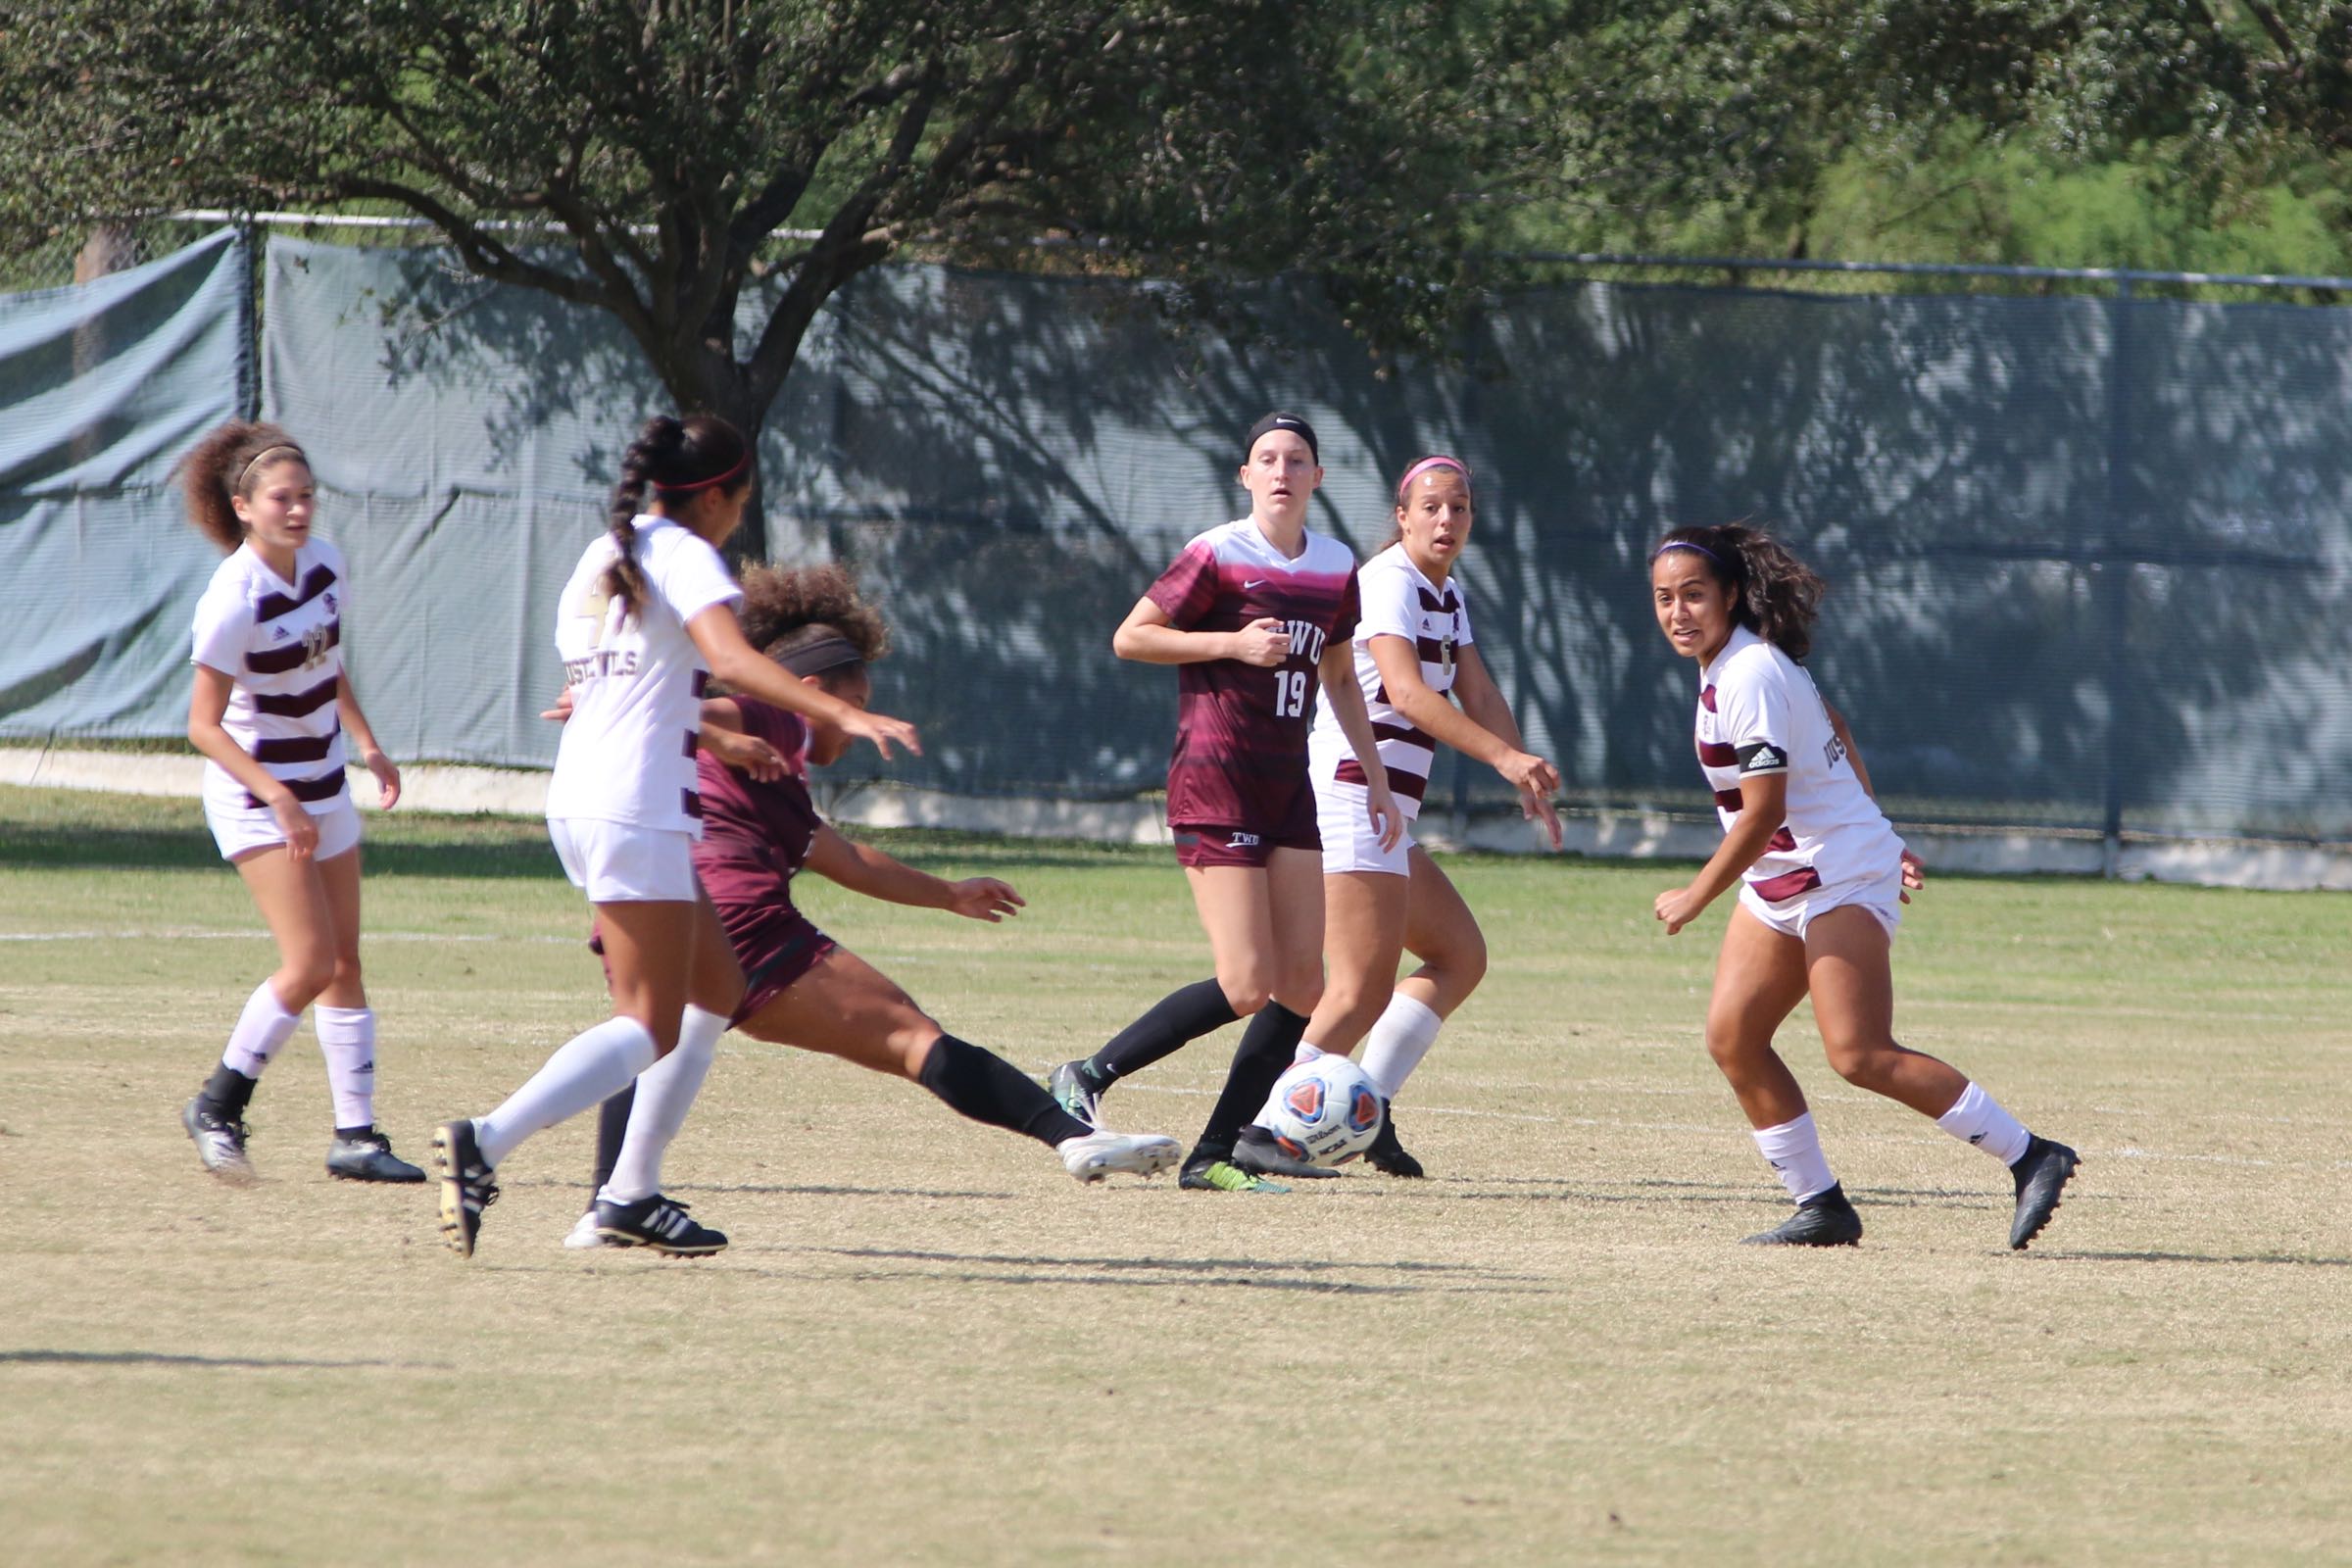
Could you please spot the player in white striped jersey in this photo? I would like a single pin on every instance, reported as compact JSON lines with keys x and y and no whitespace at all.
{"x":1820,"y":873}
{"x":1415,"y":659}
{"x":270,"y":710}
{"x":647,"y":616}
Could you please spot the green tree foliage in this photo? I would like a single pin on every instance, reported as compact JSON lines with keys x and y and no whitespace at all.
{"x":665,"y":160}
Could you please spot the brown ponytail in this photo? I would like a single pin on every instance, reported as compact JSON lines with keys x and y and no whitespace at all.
{"x":1772,"y":594}
{"x":674,"y":459}
{"x":224,"y":465}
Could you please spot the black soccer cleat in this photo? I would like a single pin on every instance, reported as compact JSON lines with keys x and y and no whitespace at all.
{"x":1387,"y":1154}
{"x":1826,"y":1219}
{"x":1260,"y":1154}
{"x":219,"y":1140}
{"x":2042,"y":1172}
{"x":465,"y":1185}
{"x":1075,"y":1091}
{"x":368,"y":1157}
{"x":657,"y":1222}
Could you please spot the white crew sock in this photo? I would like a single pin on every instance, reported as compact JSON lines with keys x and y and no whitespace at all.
{"x":665,"y":1092}
{"x":1977,"y":1118}
{"x":1399,"y":1041}
{"x":263,"y":1027}
{"x":1793,"y":1151}
{"x":1307,"y":1051}
{"x":588,"y":1069}
{"x":347,"y":1040}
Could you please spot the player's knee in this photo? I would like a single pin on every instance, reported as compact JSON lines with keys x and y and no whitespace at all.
{"x":305,"y":974}
{"x":1862,"y":1062}
{"x":1247,"y":992}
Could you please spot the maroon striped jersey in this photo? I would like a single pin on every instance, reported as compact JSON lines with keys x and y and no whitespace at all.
{"x":280,"y":644}
{"x":1397,"y":602}
{"x":1760,"y":712}
{"x":756,"y":835}
{"x":1239,"y":758}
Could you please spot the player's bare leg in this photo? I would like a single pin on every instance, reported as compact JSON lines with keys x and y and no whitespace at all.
{"x":1759,"y":979}
{"x":1441,"y":931}
{"x":1850,"y":976}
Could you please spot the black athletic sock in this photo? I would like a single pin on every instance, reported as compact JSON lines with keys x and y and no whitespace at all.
{"x":348,"y":1134}
{"x":984,"y":1085}
{"x":1177,"y":1019}
{"x":612,"y":1126}
{"x":227,"y":1093}
{"x":1268,"y":1046}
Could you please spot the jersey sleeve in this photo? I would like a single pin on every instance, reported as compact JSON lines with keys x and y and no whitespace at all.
{"x":1387,"y":605}
{"x":1349,"y":616}
{"x":1752,"y":705}
{"x":787,"y":732}
{"x":223,"y":625}
{"x":1188,"y":590}
{"x":691,"y":577}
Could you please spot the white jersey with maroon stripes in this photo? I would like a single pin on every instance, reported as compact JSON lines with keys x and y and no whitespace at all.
{"x":636,"y":679}
{"x":1760,"y":712}
{"x":1397,"y":602}
{"x":280,"y":644}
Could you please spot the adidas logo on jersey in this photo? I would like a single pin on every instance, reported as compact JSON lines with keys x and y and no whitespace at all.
{"x":278,"y":634}
{"x":1766,"y":757}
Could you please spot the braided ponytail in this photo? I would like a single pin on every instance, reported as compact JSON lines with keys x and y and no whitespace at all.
{"x":1772,"y":594}
{"x":674,"y":459}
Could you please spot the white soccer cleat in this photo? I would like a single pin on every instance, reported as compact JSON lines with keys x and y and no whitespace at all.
{"x":1099,"y":1154}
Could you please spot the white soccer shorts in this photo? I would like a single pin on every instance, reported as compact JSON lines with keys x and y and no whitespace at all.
{"x":620,"y":862}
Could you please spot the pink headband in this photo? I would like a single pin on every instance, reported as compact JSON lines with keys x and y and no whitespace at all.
{"x":705,"y":484}
{"x":1424,"y":466}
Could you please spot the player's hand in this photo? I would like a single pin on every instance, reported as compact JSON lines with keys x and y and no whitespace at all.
{"x":883,"y":730}
{"x":387,"y":778}
{"x":1915,"y":875}
{"x":1381,"y":807}
{"x":1678,"y":908}
{"x":748,"y":752}
{"x":302,"y":833}
{"x":984,"y":898}
{"x":1265,"y":641}
{"x":1529,"y":773}
{"x":562,"y":711}
{"x":1539,"y":809}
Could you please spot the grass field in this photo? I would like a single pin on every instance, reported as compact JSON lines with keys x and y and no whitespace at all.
{"x":928,"y":1345}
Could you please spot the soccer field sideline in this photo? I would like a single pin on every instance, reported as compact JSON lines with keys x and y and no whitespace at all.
{"x":928,"y":1345}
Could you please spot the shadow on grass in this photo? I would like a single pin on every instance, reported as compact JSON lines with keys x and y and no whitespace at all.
{"x":1320,"y":1276}
{"x":167,"y":1359}
{"x":2233,"y":1259}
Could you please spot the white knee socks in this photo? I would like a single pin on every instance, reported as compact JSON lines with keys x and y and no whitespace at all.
{"x":588,"y":1069}
{"x":347,"y":1040}
{"x":1793,"y":1151}
{"x":261,"y":1029}
{"x":1977,"y":1118}
{"x":665,"y":1092}
{"x":1399,"y":1041}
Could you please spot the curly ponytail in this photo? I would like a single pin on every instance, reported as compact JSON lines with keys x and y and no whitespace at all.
{"x":1772,"y":594}
{"x":788,"y":610}
{"x":674,"y":458}
{"x":225,"y":465}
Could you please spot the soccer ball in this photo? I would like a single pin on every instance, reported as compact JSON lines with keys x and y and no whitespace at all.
{"x":1325,"y":1109}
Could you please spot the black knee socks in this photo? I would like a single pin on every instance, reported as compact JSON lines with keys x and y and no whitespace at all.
{"x":1176,"y":1020}
{"x":984,"y":1085}
{"x":227,"y":1092}
{"x":612,"y":1126}
{"x":1268,"y":1046}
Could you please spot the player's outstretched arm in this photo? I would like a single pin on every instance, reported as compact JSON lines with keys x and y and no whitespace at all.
{"x":1763,"y":807}
{"x":863,"y":868}
{"x":718,"y":638}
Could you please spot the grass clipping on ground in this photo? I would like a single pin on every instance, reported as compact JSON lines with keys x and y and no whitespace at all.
{"x":928,"y":1344}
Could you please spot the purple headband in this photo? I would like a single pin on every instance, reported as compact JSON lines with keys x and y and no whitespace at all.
{"x":1421,"y":468}
{"x":1685,"y":544}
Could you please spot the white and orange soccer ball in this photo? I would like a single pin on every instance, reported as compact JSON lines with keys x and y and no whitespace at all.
{"x":1324,"y":1110}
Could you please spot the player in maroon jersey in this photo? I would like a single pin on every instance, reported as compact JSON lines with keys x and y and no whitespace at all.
{"x":1255,"y":615}
{"x":760,"y":830}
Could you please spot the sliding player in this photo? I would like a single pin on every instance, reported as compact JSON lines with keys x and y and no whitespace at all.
{"x":1820,"y":873}
{"x":761,"y":831}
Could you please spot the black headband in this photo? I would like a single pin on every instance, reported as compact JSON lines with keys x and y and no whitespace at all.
{"x":820,"y":656}
{"x":1282,"y":421}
